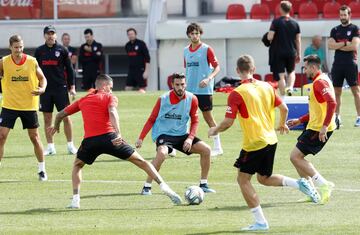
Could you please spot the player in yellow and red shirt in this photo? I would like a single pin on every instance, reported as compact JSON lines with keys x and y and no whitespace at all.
{"x":321,"y":118}
{"x":102,"y":135}
{"x":254,"y":102}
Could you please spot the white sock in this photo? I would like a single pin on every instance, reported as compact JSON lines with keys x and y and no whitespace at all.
{"x":41,"y":166}
{"x":217,"y":143}
{"x":258,"y":215}
{"x":51,"y":145}
{"x":290,"y":182}
{"x":147,"y":185}
{"x":318,"y":179}
{"x":76,"y":197}
{"x":203,"y":181}
{"x":165,"y":188}
{"x":70,"y":144}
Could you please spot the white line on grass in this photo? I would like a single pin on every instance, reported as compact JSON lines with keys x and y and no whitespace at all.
{"x":170,"y":182}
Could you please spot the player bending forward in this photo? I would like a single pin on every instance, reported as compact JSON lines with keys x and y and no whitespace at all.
{"x":102,"y":135}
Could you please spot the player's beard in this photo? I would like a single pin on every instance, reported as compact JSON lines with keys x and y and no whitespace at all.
{"x":179,"y":92}
{"x":344,"y":21}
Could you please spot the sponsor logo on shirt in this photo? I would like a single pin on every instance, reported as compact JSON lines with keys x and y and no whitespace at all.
{"x":325,"y":91}
{"x":19,"y":79}
{"x":49,"y":62}
{"x":173,"y":116}
{"x":192,"y":64}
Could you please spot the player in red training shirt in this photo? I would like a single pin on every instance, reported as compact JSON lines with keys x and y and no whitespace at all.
{"x":102,"y":135}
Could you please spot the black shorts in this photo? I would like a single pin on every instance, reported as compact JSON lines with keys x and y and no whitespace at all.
{"x":339,"y":72}
{"x":92,"y":147}
{"x":283,"y":63}
{"x":260,"y":161}
{"x":174,"y":142}
{"x":59,"y":98}
{"x":88,"y":79}
{"x":135,"y":78}
{"x":205,"y":102}
{"x":29,"y":119}
{"x":309,"y":143}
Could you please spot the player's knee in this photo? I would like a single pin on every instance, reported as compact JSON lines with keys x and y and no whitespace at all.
{"x":162,"y":151}
{"x":206,"y":150}
{"x":34,"y":137}
{"x":262,"y":179}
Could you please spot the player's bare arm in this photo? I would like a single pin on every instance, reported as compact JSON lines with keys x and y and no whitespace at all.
{"x":270,"y":35}
{"x":282,"y":127}
{"x":223,"y":126}
{"x":114,"y":119}
{"x":351,"y":46}
{"x":42,"y":82}
{"x":211,"y":76}
{"x":333,"y":45}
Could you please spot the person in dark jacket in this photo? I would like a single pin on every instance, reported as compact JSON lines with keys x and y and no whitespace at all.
{"x":54,"y":61}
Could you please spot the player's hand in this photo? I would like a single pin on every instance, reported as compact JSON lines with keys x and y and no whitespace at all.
{"x":187,"y":145}
{"x":322,"y":134}
{"x":204,"y":82}
{"x":283,"y":129}
{"x":52,"y":130}
{"x":87,"y":48}
{"x":145,"y":75}
{"x":38,"y":91}
{"x":138,"y":143}
{"x":118,"y":141}
{"x":212,"y":132}
{"x":297,"y":59}
{"x":72,"y":93}
{"x":293,"y":122}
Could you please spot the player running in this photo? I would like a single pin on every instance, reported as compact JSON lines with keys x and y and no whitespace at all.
{"x":254,"y":102}
{"x":102,"y":135}
{"x":169,"y":120}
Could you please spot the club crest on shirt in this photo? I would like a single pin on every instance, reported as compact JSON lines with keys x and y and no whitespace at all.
{"x":228,"y":109}
{"x":57,"y":53}
{"x":348,"y":33}
{"x":161,"y":141}
{"x":95,"y":48}
{"x":136,"y":47}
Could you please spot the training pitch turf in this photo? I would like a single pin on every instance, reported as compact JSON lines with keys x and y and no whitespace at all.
{"x":111,"y":203}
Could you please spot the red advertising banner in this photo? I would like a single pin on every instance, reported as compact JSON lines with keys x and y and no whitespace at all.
{"x":44,"y":9}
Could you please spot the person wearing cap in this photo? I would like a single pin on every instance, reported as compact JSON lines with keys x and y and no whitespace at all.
{"x":54,"y":60}
{"x":90,"y":59}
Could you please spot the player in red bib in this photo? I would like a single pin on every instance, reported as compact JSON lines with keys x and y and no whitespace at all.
{"x":102,"y":135}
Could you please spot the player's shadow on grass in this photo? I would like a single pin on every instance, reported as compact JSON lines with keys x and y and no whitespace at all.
{"x":243,"y":208}
{"x":20,"y":156}
{"x":215,"y":232}
{"x":111,"y":195}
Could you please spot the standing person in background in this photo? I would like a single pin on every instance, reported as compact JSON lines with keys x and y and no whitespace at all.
{"x":54,"y":60}
{"x":91,"y":60}
{"x":201,"y":68}
{"x":285,"y":46}
{"x":22,"y":83}
{"x":317,"y":49}
{"x":65,"y":39}
{"x":344,"y":39}
{"x":139,"y":62}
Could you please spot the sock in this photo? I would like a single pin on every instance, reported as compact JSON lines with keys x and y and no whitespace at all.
{"x":290,"y":182}
{"x":203,"y":181}
{"x":318,"y":179}
{"x":76,"y":197}
{"x":41,"y":166}
{"x":51,"y":145}
{"x":258,"y":215}
{"x":147,"y":185}
{"x":164,"y":187}
{"x":217,"y":143}
{"x":70,"y":144}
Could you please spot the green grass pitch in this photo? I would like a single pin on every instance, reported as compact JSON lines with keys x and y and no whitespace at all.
{"x":111,"y":203}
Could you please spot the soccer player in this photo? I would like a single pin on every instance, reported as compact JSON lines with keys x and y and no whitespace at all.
{"x":22,"y":83}
{"x":139,"y":62}
{"x":168,"y":121}
{"x":254,"y":102}
{"x":201,"y":68}
{"x":321,"y":124}
{"x":53,"y":59}
{"x":102,"y":135}
{"x":344,"y":39}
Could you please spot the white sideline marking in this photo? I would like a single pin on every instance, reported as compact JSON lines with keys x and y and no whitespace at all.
{"x":169,"y":182}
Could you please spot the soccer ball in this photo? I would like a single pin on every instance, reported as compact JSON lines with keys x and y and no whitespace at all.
{"x":194,"y":195}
